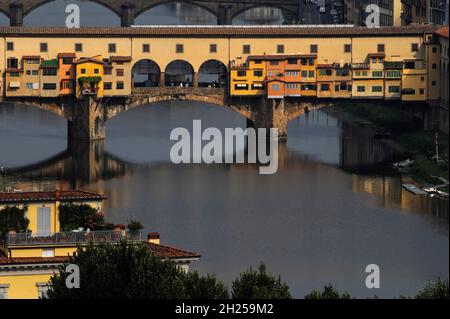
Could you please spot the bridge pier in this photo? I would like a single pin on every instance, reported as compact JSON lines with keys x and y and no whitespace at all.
{"x":88,"y":120}
{"x":271,"y":113}
{"x":16,"y":15}
{"x":127,"y":16}
{"x":162,"y":79}
{"x":224,"y":16}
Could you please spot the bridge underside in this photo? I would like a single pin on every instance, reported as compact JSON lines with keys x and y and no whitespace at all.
{"x":87,"y":117}
{"x":128,"y":10}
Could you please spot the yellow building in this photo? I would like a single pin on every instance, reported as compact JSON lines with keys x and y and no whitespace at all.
{"x":117,"y":76}
{"x":89,"y":77}
{"x":247,"y":79}
{"x":28,"y":260}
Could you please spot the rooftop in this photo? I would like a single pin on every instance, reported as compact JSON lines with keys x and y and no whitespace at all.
{"x":26,"y":197}
{"x":280,"y":56}
{"x":227,"y":31}
{"x":443,"y":32}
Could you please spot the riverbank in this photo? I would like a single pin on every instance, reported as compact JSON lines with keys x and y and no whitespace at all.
{"x":407,"y":136}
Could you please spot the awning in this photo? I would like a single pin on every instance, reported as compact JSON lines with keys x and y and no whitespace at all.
{"x":14,"y":85}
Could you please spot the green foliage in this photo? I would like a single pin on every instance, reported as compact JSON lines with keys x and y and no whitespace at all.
{"x":73,"y":216}
{"x":198,"y":287}
{"x":438,"y":289}
{"x":254,"y":284}
{"x":121,"y":270}
{"x":328,"y":292}
{"x":12,"y":217}
{"x":134,"y":227}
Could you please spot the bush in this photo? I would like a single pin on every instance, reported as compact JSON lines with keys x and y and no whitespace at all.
{"x":328,"y":292}
{"x":13,"y":218}
{"x":198,"y":287}
{"x":74,"y":216}
{"x":259,"y":285}
{"x":438,"y":289}
{"x":134,"y":227}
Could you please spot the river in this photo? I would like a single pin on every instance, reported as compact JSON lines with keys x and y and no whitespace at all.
{"x":322,"y":218}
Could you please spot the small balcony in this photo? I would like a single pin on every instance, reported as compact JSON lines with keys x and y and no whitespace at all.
{"x":69,"y":238}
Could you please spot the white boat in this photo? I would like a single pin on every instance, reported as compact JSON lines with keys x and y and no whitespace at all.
{"x":414,"y":189}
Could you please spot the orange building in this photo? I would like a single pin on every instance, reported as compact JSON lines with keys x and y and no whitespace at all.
{"x":67,"y":74}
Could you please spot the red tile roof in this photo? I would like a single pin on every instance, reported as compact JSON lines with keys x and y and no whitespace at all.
{"x":226,"y":31}
{"x":31,"y":57}
{"x":66,"y":55}
{"x":11,"y":70}
{"x":21,"y":197}
{"x":443,"y":32}
{"x":160,"y":251}
{"x":88,"y":60}
{"x":377,"y":55}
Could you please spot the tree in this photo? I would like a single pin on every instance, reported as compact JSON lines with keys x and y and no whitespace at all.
{"x":134,"y":227}
{"x":198,"y":287}
{"x":254,"y":284}
{"x":120,"y":270}
{"x":438,"y":289}
{"x":73,"y":216}
{"x":328,"y":292}
{"x":13,"y":218}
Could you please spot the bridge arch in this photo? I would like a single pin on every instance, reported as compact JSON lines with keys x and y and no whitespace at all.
{"x":155,"y":3}
{"x":179,"y":73}
{"x":250,"y":7}
{"x":27,"y":10}
{"x":212,"y":73}
{"x":146,"y":73}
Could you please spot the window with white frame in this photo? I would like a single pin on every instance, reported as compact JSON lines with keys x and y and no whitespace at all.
{"x":42,"y":288}
{"x":4,"y":291}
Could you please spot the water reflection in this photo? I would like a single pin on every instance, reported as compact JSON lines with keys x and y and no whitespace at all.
{"x":321,"y":218}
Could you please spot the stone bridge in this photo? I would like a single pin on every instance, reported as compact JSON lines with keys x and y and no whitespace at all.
{"x":87,"y":117}
{"x":128,"y":10}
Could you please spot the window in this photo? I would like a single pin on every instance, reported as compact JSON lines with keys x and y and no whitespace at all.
{"x":422,"y":91}
{"x":35,"y":72}
{"x":179,"y":48}
{"x":304,"y":62}
{"x":291,"y":61}
{"x":4,"y":291}
{"x":78,"y":47}
{"x":240,"y":87}
{"x":67,"y":61}
{"x":377,"y":89}
{"x":49,"y":86}
{"x":394,"y":89}
{"x":304,"y":74}
{"x":28,"y":72}
{"x":258,"y":62}
{"x":343,"y":72}
{"x":414,"y":47}
{"x":377,"y":74}
{"x":242,"y":73}
{"x":83,"y":71}
{"x":308,"y":87}
{"x":246,"y":49}
{"x":324,"y":87}
{"x":14,"y":74}
{"x":257,"y":86}
{"x":112,"y":48}
{"x":347,"y":48}
{"x":313,"y":48}
{"x":410,"y":65}
{"x":434,"y":66}
{"x":273,"y":62}
{"x":119,"y":85}
{"x":13,"y":63}
{"x":146,"y":48}
{"x":120,"y":72}
{"x":291,"y":73}
{"x":292,"y":86}
{"x":10,"y":46}
{"x":96,"y":71}
{"x":107,"y":71}
{"x":361,"y":88}
{"x":433,"y":83}
{"x":381,"y":48}
{"x":48,"y":252}
{"x":29,"y":86}
{"x":325,"y":72}
{"x":311,"y":74}
{"x":393,"y":74}
{"x":280,"y":48}
{"x":258,"y":73}
{"x":67,"y":85}
{"x":311,"y":61}
{"x":213,"y":48}
{"x":50,"y":71}
{"x":275,"y":87}
{"x":434,"y":50}
{"x":42,"y":290}
{"x":44,"y":47}
{"x":107,"y":85}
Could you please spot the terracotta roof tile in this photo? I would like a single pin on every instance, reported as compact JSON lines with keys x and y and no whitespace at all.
{"x":33,"y":260}
{"x":231,"y":31}
{"x":13,"y":70}
{"x":443,"y":32}
{"x":66,"y":55}
{"x":169,"y":252}
{"x":121,"y":59}
{"x":20,"y":197}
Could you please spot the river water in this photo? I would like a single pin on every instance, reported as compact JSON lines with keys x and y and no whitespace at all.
{"x":322,"y":218}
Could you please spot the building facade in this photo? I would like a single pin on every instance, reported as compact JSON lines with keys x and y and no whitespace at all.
{"x":356,"y":12}
{"x":425,"y":11}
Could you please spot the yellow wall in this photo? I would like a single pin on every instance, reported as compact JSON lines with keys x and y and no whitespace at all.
{"x":90,"y":68}
{"x":19,"y":252}
{"x":24,"y":284}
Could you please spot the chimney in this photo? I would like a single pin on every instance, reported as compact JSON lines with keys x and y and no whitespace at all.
{"x":57,"y":195}
{"x":153,"y":238}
